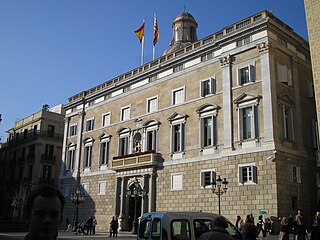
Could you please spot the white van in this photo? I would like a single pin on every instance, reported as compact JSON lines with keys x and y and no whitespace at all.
{"x":179,"y":226}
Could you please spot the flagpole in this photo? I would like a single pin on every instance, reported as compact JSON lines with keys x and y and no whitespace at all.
{"x":154,"y":46}
{"x":142,"y":46}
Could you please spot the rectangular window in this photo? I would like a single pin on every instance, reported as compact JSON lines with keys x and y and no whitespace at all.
{"x":246,"y":74}
{"x":151,"y":140}
{"x":284,"y":74}
{"x":247,"y":174}
{"x":176,"y":181}
{"x":46,"y":174}
{"x":247,"y":119}
{"x":106,"y":119}
{"x":49,"y":152}
{"x":152,"y":104}
{"x":248,"y":122}
{"x":123,"y":145}
{"x":207,"y":178}
{"x":70,"y":159}
{"x":178,"y":96}
{"x":153,"y":78}
{"x":178,"y":134}
{"x":90,"y":125}
{"x":208,"y":86}
{"x":125,"y":113}
{"x":73,"y":130}
{"x":287,"y":123}
{"x":208,"y":131}
{"x":206,"y":57}
{"x":104,"y":153}
{"x":87,"y":156}
{"x":295,"y":174}
{"x":178,"y":68}
{"x":50,"y":131}
{"x":102,"y":188}
{"x":243,"y":41}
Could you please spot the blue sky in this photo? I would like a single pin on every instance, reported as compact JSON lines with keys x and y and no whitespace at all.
{"x":53,"y":49}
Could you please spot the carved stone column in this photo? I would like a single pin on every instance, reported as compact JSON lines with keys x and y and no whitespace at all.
{"x":268,"y":78}
{"x":226,"y":63}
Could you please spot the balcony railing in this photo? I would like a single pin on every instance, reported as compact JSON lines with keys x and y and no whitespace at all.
{"x":135,"y":160}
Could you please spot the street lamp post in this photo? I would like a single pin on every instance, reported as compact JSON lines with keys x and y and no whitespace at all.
{"x":135,"y":192}
{"x":219,"y":187}
{"x":77,"y":198}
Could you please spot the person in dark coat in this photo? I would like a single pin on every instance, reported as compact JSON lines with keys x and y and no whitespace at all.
{"x":249,"y":231}
{"x":300,"y":230}
{"x":284,"y":229}
{"x":261,"y":226}
{"x":89,"y":225}
{"x":315,"y":233}
{"x":218,"y":231}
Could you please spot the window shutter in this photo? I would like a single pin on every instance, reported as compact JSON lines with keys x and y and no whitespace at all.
{"x":291,"y":173}
{"x":255,"y":174}
{"x":238,"y":76}
{"x":202,"y":179}
{"x":182,"y":137}
{"x":213,"y":86}
{"x":215,"y":130}
{"x":240,"y":175}
{"x":154,"y":136}
{"x":214,"y":177}
{"x":298,"y":170}
{"x":256,"y":122}
{"x":252,"y":73}
{"x":289,"y":77}
{"x":202,"y":89}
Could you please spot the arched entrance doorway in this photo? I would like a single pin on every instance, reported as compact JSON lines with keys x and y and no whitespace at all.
{"x":135,"y":192}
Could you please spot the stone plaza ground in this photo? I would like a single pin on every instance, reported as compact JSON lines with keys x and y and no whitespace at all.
{"x":121,"y":236}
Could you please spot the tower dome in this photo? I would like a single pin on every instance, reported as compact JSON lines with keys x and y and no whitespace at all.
{"x":184,"y":29}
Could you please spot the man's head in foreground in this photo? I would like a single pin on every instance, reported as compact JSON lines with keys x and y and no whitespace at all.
{"x":44,"y":208}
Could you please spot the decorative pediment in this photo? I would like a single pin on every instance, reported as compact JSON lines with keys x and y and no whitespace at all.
{"x":71,"y":145}
{"x":286,"y":99}
{"x":88,"y":140}
{"x":177,"y":116}
{"x":207,"y":108}
{"x":123,"y":130}
{"x":104,"y":136}
{"x":152,"y":122}
{"x":247,"y":98}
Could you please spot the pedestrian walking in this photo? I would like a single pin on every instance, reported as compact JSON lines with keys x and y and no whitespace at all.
{"x":249,"y":231}
{"x":94,"y":224}
{"x":114,"y":227}
{"x":239,"y":223}
{"x":249,"y":219}
{"x":315,"y":232}
{"x":261,"y":226}
{"x":300,"y":230}
{"x":89,"y":225}
{"x":284,"y":229}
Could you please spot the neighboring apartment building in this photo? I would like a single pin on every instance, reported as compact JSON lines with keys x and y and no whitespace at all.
{"x":238,"y":103}
{"x":31,"y":155}
{"x":313,"y":20}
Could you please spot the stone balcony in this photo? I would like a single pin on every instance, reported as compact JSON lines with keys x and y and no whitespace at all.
{"x":135,"y":160}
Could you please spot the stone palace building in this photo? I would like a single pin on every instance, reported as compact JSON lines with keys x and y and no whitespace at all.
{"x":237,"y":104}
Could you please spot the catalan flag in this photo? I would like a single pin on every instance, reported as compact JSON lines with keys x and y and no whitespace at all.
{"x":155,"y":31}
{"x":140,"y":32}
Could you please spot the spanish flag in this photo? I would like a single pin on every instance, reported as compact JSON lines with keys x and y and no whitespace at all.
{"x":155,"y":32}
{"x":140,"y":32}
